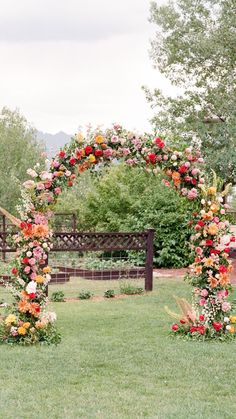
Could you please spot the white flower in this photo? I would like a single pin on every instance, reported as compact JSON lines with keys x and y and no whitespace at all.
{"x":29,"y":184}
{"x":51,"y":316}
{"x":228,"y":327}
{"x":32,"y":173}
{"x":45,"y":245}
{"x":21,"y":281}
{"x":226,"y":319}
{"x":31,"y":287}
{"x":203,"y":201}
{"x":174,"y":157}
{"x":29,"y":254}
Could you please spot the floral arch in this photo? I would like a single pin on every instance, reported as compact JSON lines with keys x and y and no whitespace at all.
{"x":28,"y":322}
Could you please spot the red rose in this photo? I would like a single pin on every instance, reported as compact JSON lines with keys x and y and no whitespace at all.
{"x":183,"y":169}
{"x":72,"y":161}
{"x":222,"y":269}
{"x":209,"y":242}
{"x":23,"y":224}
{"x":217,"y":326}
{"x":214,"y":251}
{"x":182,"y":321}
{"x":159,"y":142}
{"x":201,"y":223}
{"x":98,"y":153}
{"x":227,"y":250}
{"x":201,"y":317}
{"x":194,"y":181}
{"x":14,"y":271}
{"x":32,"y":295}
{"x":70,"y":183}
{"x":175,"y":327}
{"x":201,"y":329}
{"x":37,"y":309}
{"x":193,"y":329}
{"x":152,"y":158}
{"x":88,"y":150}
{"x":25,"y":261}
{"x":232,"y":238}
{"x":62,"y":154}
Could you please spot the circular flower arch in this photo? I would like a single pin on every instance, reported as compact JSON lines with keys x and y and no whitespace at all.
{"x":28,"y":322}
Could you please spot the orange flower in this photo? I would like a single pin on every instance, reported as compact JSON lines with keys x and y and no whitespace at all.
{"x":21,"y":330}
{"x":34,"y":309}
{"x":80,"y":153}
{"x":212,"y":190}
{"x":28,"y":232}
{"x":214,"y":208}
{"x":40,"y":230}
{"x":99,"y":139}
{"x":24,"y":295}
{"x":208,"y":215}
{"x":23,"y":306}
{"x":40,"y":324}
{"x":212,"y":281}
{"x":82,"y":167}
{"x":212,"y":229}
{"x":224,"y":279}
{"x":176,"y":178}
{"x":198,"y":269}
{"x":47,"y":269}
{"x":232,"y":329}
{"x":169,"y":172}
{"x":26,"y":325}
{"x":208,"y":261}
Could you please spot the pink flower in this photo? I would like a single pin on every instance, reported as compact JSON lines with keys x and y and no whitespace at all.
{"x":226,"y":306}
{"x":27,"y":269}
{"x":187,"y":164}
{"x":184,"y":191}
{"x":40,"y":186}
{"x":33,"y":275}
{"x":57,"y":191}
{"x":32,"y":261}
{"x":165,"y":157}
{"x":199,"y":250}
{"x":55,"y":164}
{"x":195,"y":171}
{"x":126,"y":151}
{"x":108,"y":152}
{"x":200,"y":160}
{"x":204,"y":293}
{"x":202,"y":302}
{"x":192,"y":194}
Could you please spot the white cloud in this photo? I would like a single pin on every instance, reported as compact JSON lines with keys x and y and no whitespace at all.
{"x":61,"y":84}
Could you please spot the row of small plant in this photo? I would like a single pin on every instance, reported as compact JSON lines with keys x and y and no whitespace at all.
{"x":126,"y":288}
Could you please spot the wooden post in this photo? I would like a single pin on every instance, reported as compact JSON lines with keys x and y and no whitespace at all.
{"x":4,"y":238}
{"x":149,"y":261}
{"x":74,"y":222}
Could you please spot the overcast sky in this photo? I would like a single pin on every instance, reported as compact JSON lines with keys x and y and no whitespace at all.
{"x":66,"y":63}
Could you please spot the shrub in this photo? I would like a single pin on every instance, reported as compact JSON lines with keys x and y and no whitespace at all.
{"x":58,"y":296}
{"x":85,"y":295}
{"x":130,"y":289}
{"x":109,"y":294}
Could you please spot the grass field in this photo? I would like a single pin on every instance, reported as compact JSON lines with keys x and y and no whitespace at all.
{"x":116,"y":360}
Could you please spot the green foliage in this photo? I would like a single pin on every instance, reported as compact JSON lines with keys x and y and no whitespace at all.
{"x":130,"y":289}
{"x":58,"y":297}
{"x":85,"y":295}
{"x":125,"y":199}
{"x":109,"y":294}
{"x":194,"y":47}
{"x":19,"y":151}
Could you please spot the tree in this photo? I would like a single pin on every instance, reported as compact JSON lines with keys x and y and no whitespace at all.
{"x":195,"y":47}
{"x":19,"y":151}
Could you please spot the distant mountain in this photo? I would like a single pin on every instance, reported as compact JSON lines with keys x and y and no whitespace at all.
{"x":53,"y":141}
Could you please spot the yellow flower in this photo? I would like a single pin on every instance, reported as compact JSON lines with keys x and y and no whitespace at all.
{"x":22,"y":330}
{"x":212,"y":229}
{"x":10,"y":319}
{"x":26,"y":325}
{"x":212,"y":190}
{"x":233,"y":319}
{"x":47,"y":270}
{"x":39,"y":279}
{"x":231,"y":330}
{"x":99,"y":139}
{"x":92,"y":158}
{"x":79,"y":137}
{"x":60,"y":173}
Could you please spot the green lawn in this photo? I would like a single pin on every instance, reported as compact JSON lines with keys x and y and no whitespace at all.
{"x":116,"y":360}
